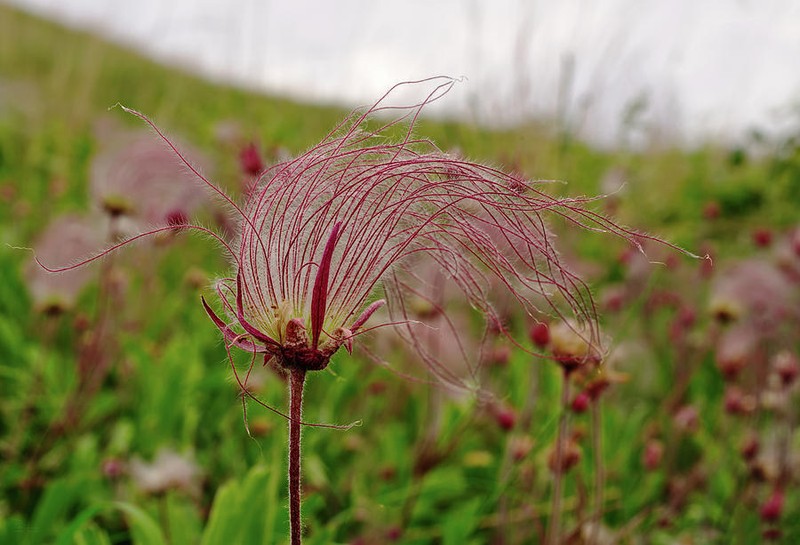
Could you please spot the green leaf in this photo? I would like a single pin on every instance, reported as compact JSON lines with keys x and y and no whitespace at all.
{"x":246,"y":512}
{"x":78,"y":525}
{"x":221,"y":528}
{"x":58,"y":497}
{"x":460,"y":523}
{"x":12,"y":529}
{"x":183,"y":519}
{"x":91,"y":534}
{"x":144,"y":530}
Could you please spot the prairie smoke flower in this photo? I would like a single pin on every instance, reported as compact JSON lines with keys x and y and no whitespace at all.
{"x":328,"y":238}
{"x":653,"y":454}
{"x":142,"y":179}
{"x":571,"y":346}
{"x":331,"y":236}
{"x":787,"y":366}
{"x":756,"y":293}
{"x":65,"y":238}
{"x":168,"y":471}
{"x":736,"y":347}
{"x":737,"y":402}
{"x":565,"y":457}
{"x":686,"y":419}
{"x":787,"y":255}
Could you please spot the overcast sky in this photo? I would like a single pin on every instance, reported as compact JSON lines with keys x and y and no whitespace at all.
{"x":698,"y":67}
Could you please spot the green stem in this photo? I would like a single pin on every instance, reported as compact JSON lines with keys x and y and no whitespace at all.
{"x":296,"y":382}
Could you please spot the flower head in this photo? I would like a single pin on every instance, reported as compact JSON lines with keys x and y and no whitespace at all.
{"x":329,"y":237}
{"x":140,"y":178}
{"x":65,"y":238}
{"x":326,"y":239}
{"x":169,"y":470}
{"x":756,"y":293}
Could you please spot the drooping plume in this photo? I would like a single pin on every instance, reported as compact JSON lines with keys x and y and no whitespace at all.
{"x":349,"y":223}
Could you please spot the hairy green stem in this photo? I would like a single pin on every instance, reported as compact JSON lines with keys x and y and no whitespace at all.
{"x":297,"y":379}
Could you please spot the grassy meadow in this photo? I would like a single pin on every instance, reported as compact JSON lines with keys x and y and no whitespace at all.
{"x":121,"y":421}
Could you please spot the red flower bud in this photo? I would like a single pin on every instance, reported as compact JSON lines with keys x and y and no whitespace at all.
{"x":113,"y":468}
{"x":250,"y":160}
{"x":762,"y":237}
{"x":653,"y":454}
{"x":520,"y":447}
{"x":712,"y":210}
{"x":581,"y":403}
{"x":686,"y":419}
{"x":540,"y":334}
{"x":787,"y":367}
{"x":772,"y":509}
{"x":750,"y":448}
{"x":394,"y":533}
{"x":737,"y":402}
{"x":570,"y":457}
{"x":505,"y":417}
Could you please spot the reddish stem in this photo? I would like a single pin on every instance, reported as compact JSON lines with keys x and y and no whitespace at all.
{"x":554,"y":526}
{"x":599,"y":471}
{"x":296,"y":382}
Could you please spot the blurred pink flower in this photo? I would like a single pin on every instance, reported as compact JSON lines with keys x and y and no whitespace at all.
{"x":756,"y":293}
{"x":571,"y":345}
{"x":653,"y":454}
{"x":64,"y":240}
{"x":787,"y":254}
{"x":168,"y":471}
{"x":137,"y":176}
{"x":736,"y":347}
{"x":686,"y":419}
{"x":787,"y":366}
